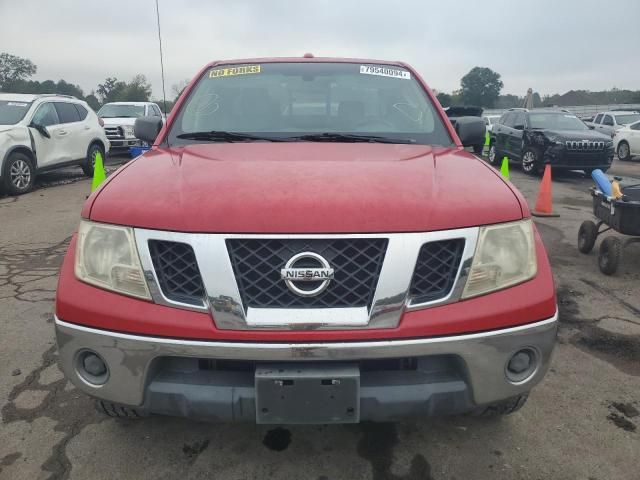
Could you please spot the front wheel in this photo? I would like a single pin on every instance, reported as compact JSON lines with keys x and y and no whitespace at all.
{"x":587,"y":236}
{"x":530,"y":161}
{"x":116,"y":410}
{"x":19,"y":174}
{"x":478,"y":149}
{"x":505,"y":407}
{"x":494,"y":155}
{"x":609,"y":255}
{"x":90,"y":161}
{"x":624,"y":153}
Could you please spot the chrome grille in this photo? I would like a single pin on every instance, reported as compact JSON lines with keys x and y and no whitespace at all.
{"x":257,"y":263}
{"x":436,"y":270}
{"x":584,"y":145}
{"x":114,"y":133}
{"x":177,"y":271}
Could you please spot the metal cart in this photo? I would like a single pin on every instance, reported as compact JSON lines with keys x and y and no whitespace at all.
{"x":621,"y":215}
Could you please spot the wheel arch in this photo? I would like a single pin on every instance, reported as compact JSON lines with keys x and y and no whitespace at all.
{"x":19,"y":149}
{"x":97,"y":140}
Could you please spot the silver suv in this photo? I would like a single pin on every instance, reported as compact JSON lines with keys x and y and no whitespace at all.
{"x":610,"y":122}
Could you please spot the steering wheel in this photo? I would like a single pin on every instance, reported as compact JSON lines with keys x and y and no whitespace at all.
{"x":375,"y":124}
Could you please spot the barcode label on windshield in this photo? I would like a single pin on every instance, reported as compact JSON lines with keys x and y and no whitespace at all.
{"x":385,"y":72}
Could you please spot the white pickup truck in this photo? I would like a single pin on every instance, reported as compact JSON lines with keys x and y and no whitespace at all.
{"x":119,"y":117}
{"x":609,"y":122}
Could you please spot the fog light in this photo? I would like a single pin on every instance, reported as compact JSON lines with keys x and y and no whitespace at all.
{"x":94,"y":365}
{"x":522,"y":365}
{"x":92,"y":368}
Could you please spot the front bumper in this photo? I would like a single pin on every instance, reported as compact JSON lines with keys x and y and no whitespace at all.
{"x":125,"y":143}
{"x":561,"y":158}
{"x":201,"y":379}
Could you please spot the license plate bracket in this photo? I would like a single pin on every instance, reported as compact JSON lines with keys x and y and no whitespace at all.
{"x":304,"y":393}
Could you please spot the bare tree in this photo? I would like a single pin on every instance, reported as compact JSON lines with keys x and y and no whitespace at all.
{"x":178,"y":88}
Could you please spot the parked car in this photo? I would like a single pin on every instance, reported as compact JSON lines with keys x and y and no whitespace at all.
{"x":609,"y":122}
{"x":536,"y":138}
{"x":307,"y":242}
{"x":44,"y":132}
{"x":119,"y":117}
{"x":489,"y":121}
{"x":626,"y":141}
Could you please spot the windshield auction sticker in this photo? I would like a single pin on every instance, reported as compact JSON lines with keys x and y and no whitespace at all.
{"x":385,"y":72}
{"x":232,"y":71}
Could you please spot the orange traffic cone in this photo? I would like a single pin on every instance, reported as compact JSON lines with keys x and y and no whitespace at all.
{"x":544,"y":205}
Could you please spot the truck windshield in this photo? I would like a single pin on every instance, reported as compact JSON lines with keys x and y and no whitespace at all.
{"x":556,"y":121}
{"x":112,"y":110}
{"x":12,"y":112}
{"x":309,"y":101}
{"x":627,"y":118}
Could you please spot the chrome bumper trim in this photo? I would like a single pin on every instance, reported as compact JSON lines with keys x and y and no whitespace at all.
{"x":130,"y":357}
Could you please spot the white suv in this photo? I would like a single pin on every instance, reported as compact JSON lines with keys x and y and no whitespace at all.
{"x":43,"y":132}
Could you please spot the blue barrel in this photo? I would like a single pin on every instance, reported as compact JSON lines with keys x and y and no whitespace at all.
{"x":602,"y":182}
{"x":137,"y":151}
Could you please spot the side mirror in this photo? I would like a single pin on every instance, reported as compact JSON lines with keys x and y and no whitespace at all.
{"x":471,"y":130}
{"x":41,"y":129}
{"x":591,"y":127}
{"x":518,"y":127}
{"x":147,"y":128}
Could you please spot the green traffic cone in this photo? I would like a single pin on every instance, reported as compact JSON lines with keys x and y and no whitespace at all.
{"x":99,"y":174}
{"x":504,"y":169}
{"x":487,"y":142}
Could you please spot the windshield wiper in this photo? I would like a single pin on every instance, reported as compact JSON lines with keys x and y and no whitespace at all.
{"x":350,"y":137}
{"x":220,"y":135}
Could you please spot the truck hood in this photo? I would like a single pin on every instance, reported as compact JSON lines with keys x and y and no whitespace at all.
{"x":305,"y":187}
{"x":116,"y":121}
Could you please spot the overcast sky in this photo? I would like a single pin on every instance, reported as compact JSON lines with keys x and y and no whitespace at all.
{"x":551,"y":46}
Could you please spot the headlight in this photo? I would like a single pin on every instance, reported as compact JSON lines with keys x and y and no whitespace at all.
{"x":106,"y":256}
{"x":505,"y":255}
{"x":128,"y":131}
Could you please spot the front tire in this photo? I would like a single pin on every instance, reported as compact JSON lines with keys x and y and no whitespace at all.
{"x":19,"y":174}
{"x":478,"y":149}
{"x":624,"y":152}
{"x":530,"y":161}
{"x":506,"y":407}
{"x":587,"y":236}
{"x":609,"y":255}
{"x":115,"y":410}
{"x":494,"y":155}
{"x":90,"y":161}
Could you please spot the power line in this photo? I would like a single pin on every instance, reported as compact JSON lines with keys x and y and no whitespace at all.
{"x":164,"y":96}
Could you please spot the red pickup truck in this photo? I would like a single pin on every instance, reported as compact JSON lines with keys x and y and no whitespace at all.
{"x":306,"y":242}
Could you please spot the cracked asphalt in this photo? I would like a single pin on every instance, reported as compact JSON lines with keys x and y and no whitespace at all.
{"x":582,"y":422}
